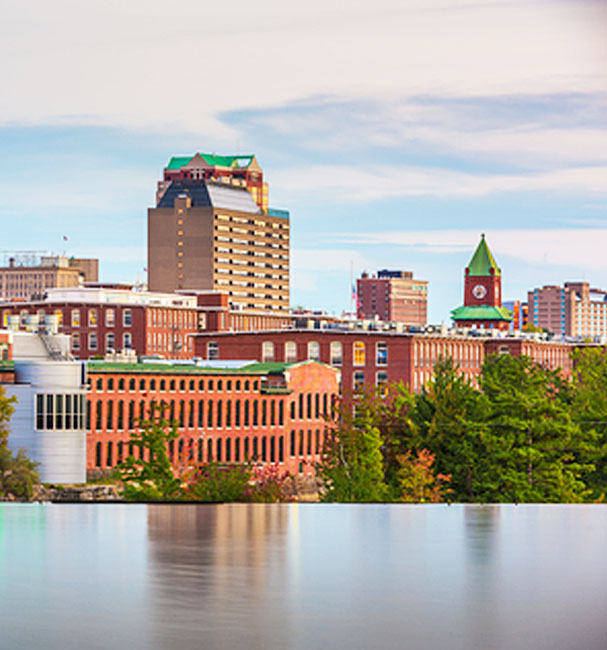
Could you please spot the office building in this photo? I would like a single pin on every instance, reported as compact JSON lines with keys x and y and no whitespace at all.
{"x":392,"y":296}
{"x":29,"y":276}
{"x":213,"y":236}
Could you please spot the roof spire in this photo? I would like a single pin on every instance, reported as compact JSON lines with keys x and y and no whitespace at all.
{"x":483,"y":263}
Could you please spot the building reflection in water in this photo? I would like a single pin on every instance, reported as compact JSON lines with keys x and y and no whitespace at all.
{"x":218,"y":575}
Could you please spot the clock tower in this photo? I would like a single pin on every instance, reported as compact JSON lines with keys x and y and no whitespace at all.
{"x":482,"y":306}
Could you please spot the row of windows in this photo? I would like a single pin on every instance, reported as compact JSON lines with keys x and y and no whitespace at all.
{"x":209,"y":413}
{"x":110,"y":341}
{"x":110,"y":317}
{"x":172,"y":385}
{"x":426,"y":353}
{"x":264,"y":448}
{"x":359,"y":352}
{"x":59,"y":412}
{"x":171,"y":318}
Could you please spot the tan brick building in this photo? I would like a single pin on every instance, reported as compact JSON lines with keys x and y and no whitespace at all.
{"x":22,"y":281}
{"x":212,"y":236}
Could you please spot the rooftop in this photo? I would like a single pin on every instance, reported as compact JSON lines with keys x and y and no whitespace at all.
{"x":205,"y":194}
{"x":213,"y":160}
{"x":483,"y":263}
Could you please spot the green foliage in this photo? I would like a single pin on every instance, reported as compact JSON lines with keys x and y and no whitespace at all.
{"x":447,"y":415}
{"x":152,"y":479}
{"x":218,"y":483}
{"x":352,"y":462}
{"x":530,"y":437}
{"x":526,"y":435}
{"x":18,"y":474}
{"x":589,"y":410}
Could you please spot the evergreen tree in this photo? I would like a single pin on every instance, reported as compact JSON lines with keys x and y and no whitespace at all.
{"x":530,"y":438}
{"x":449,"y":418}
{"x":589,"y":410}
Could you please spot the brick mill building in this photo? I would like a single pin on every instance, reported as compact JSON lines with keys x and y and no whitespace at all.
{"x":266,"y":413}
{"x":482,"y":306}
{"x":374,"y":358}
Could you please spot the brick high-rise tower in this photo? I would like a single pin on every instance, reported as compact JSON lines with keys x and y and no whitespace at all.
{"x":482,"y":306}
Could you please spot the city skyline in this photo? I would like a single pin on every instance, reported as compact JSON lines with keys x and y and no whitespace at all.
{"x":394,"y":134}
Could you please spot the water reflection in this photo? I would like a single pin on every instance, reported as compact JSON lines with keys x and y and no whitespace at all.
{"x":303,"y":577}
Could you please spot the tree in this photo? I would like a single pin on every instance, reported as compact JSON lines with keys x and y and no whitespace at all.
{"x":219,"y":483}
{"x":530,"y":438}
{"x":448,"y":416}
{"x":18,"y":474}
{"x":152,"y":479}
{"x":352,"y":461}
{"x":418,"y":482}
{"x":589,"y":410}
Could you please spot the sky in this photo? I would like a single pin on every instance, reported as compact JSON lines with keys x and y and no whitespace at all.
{"x":395,"y":132}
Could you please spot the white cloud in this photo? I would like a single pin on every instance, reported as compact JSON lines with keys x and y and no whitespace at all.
{"x":326,"y":260}
{"x":344,"y":183}
{"x":576,"y":248}
{"x":150,"y":64}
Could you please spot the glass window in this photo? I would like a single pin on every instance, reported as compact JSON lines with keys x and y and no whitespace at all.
{"x":336,"y":353}
{"x":359,"y":353}
{"x":381,"y":381}
{"x":267,"y":351}
{"x":75,"y":318}
{"x":314,"y":350}
{"x":290,"y":352}
{"x":92,"y":318}
{"x":359,"y":379}
{"x":110,"y":317}
{"x":382,"y":353}
{"x":212,"y":350}
{"x":93,"y":341}
{"x":127,"y":339}
{"x":76,"y":341}
{"x":110,"y":341}
{"x":127,"y":317}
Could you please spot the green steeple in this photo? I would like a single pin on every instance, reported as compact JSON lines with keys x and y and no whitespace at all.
{"x":483,"y":261}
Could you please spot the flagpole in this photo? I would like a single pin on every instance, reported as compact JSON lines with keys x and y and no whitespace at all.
{"x":352,"y":288}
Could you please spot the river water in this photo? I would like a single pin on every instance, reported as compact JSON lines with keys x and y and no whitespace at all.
{"x":303,"y":577}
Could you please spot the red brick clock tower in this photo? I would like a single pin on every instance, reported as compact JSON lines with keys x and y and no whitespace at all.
{"x":482,"y":306}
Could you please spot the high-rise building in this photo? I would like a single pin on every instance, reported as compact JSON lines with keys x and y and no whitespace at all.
{"x":482,"y":306}
{"x":575,"y":309}
{"x":206,"y":235}
{"x":519,"y":314}
{"x":28,"y":276}
{"x":392,"y":296}
{"x":239,"y":171}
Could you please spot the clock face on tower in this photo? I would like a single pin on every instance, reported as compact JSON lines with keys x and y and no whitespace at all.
{"x":479,"y":291}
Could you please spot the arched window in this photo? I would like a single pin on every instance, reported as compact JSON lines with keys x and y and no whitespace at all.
{"x":172,"y":386}
{"x":272,"y":449}
{"x":200,"y":414}
{"x":109,"y":415}
{"x":228,"y":450}
{"x":290,"y":352}
{"x":255,"y":413}
{"x":109,"y":461}
{"x":292,"y":445}
{"x":98,"y":454}
{"x":272,"y":413}
{"x":255,"y":448}
{"x":200,"y":448}
{"x":292,"y":410}
{"x":264,"y":413}
{"x":218,"y":447}
{"x":246,"y":413}
{"x":301,"y":406}
{"x":237,"y":413}
{"x":228,"y":413}
{"x":121,"y":384}
{"x":142,"y":384}
{"x":209,"y":450}
{"x":172,"y":411}
{"x":98,"y":416}
{"x":314,"y":351}
{"x":153,"y":385}
{"x":210,"y":415}
{"x":182,"y":385}
{"x":264,"y":449}
{"x":281,"y":449}
{"x":191,"y":414}
{"x":281,"y":412}
{"x":131,"y":384}
{"x":359,"y":353}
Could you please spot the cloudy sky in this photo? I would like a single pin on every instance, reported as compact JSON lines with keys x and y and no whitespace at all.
{"x":394,"y":131}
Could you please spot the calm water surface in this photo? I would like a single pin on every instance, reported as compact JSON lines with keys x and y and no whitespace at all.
{"x":303,"y":576}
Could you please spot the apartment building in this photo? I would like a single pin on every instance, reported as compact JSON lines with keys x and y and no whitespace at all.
{"x":575,"y":309}
{"x":392,"y":296}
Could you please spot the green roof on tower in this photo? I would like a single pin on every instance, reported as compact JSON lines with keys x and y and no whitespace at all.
{"x":483,"y":261}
